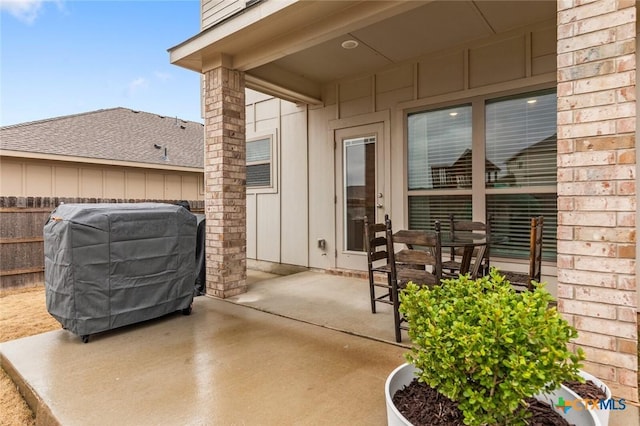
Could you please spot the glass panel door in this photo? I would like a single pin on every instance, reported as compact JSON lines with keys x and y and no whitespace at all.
{"x":359,"y":190}
{"x":359,"y":156}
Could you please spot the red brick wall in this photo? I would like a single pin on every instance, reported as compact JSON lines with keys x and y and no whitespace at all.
{"x":597,"y":285}
{"x":225,"y":182}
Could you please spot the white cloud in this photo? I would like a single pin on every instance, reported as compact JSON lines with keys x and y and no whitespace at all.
{"x":27,"y":11}
{"x":137,"y":85}
{"x":162,"y":76}
{"x":24,"y":10}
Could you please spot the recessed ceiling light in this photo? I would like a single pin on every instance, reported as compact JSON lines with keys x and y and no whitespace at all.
{"x":453,"y":114}
{"x":350,"y":44}
{"x":532,"y":101}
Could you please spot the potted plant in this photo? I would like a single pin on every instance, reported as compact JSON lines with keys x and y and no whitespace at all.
{"x":488,"y":349}
{"x":597,"y":390}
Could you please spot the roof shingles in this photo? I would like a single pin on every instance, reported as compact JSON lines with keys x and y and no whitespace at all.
{"x":117,"y":134}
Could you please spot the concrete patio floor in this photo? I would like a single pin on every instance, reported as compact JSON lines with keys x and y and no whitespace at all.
{"x":225,"y":364}
{"x":302,"y":349}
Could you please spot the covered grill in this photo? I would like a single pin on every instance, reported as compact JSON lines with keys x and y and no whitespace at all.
{"x":111,"y":265}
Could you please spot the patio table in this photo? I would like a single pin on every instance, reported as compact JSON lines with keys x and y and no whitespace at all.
{"x":469,"y":241}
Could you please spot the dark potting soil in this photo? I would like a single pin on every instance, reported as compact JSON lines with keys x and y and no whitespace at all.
{"x":587,"y":390}
{"x":422,"y":405}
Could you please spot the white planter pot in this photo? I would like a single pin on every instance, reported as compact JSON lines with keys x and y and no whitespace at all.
{"x":603,"y":415}
{"x":578,"y":415}
{"x":398,"y":379}
{"x":404,"y":374}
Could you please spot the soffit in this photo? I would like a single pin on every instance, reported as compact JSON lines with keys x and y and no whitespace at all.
{"x":299,"y":46}
{"x":273,"y":29}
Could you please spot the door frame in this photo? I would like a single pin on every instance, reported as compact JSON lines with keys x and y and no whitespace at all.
{"x":355,"y":260}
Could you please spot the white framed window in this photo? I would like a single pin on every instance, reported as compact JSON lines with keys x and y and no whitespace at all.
{"x":439,"y":149}
{"x":261,"y":164}
{"x":519,"y":142}
{"x":439,"y":165}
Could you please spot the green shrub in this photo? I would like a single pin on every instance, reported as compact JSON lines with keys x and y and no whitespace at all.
{"x":487,"y":347}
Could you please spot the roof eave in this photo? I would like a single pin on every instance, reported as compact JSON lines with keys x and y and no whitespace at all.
{"x":86,"y":160}
{"x":271,"y":30}
{"x":190,"y":53}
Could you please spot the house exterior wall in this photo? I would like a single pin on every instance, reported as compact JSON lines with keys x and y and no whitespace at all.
{"x":589,"y":54}
{"x":213,"y":11}
{"x":29,"y":177}
{"x":597,"y":199}
{"x":31,"y":187}
{"x":321,"y":200}
{"x":285,"y":224}
{"x":225,"y":181}
{"x":386,"y":96}
{"x":277,"y":217}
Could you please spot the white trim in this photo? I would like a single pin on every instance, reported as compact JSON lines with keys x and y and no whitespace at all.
{"x":255,"y":83}
{"x":272,"y":136}
{"x":87,"y":160}
{"x":540,"y":82}
{"x":359,"y":120}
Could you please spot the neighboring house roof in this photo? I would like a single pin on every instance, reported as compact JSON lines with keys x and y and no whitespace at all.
{"x":463,"y":164}
{"x":116,"y":134}
{"x":549,"y":144}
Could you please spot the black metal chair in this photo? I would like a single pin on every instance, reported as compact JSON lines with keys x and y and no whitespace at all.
{"x":523,"y":281}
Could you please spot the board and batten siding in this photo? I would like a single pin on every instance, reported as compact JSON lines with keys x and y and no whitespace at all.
{"x":284,"y":224}
{"x":505,"y":62}
{"x":22,"y":177}
{"x":277,"y":217}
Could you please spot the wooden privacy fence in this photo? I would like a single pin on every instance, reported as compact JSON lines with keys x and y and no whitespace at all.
{"x":21,"y":235}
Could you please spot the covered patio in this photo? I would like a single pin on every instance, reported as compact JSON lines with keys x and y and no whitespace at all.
{"x":349,"y":124}
{"x":292,"y":350}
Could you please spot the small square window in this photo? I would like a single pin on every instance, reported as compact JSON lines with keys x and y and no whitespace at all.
{"x":258,"y":175}
{"x":259,"y":163}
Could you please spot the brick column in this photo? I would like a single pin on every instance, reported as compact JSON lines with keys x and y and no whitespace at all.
{"x":597,"y":284}
{"x":225,"y":182}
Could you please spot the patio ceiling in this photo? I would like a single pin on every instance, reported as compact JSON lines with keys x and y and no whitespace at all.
{"x":292,"y":48}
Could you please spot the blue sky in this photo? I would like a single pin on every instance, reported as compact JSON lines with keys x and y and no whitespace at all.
{"x":68,"y":57}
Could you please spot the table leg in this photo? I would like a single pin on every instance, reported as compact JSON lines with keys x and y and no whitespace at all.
{"x":465,"y":262}
{"x":475,"y":270}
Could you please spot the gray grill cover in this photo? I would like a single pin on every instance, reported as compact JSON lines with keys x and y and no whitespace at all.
{"x":110,"y":265}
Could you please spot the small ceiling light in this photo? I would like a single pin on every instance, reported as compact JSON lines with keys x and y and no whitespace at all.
{"x":453,"y":114}
{"x":532,"y":101}
{"x":349,"y":44}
